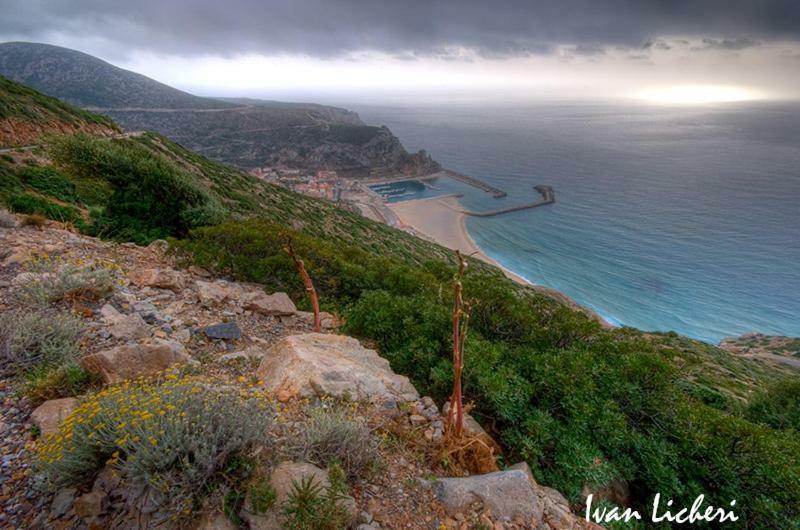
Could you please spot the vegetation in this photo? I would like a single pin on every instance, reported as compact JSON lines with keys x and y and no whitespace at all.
{"x":583,"y":405}
{"x":778,"y":406}
{"x":174,"y":436}
{"x":331,"y":436}
{"x":55,"y":281}
{"x":312,"y":506}
{"x":35,"y":339}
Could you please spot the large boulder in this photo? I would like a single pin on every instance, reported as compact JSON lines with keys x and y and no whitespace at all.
{"x":49,"y":414}
{"x":159,"y":278}
{"x":507,"y":494}
{"x":315,"y":364}
{"x":268,"y":304}
{"x":133,"y":360}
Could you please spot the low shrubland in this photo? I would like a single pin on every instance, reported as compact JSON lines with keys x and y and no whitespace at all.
{"x":585,"y":406}
{"x":175,"y":437}
{"x":55,"y":280}
{"x":336,"y":436}
{"x":33,"y":339}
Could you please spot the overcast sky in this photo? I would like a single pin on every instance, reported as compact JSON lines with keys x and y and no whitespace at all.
{"x":433,"y":48}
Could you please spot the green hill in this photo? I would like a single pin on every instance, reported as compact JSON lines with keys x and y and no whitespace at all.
{"x":587,"y":407}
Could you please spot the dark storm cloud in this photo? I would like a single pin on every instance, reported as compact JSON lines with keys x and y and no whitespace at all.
{"x":494,"y":28}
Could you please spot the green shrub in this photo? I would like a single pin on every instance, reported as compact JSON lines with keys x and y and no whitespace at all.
{"x":48,"y":181}
{"x":778,"y":406}
{"x":262,"y":495}
{"x":173,"y":436}
{"x":52,"y":382}
{"x":32,"y":204}
{"x":37,"y":339}
{"x":152,"y":197}
{"x":310,"y":506}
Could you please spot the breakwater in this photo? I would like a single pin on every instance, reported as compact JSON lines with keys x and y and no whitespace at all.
{"x":472,"y":181}
{"x":548,"y":197}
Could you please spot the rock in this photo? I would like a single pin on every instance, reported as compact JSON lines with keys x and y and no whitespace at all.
{"x":331,"y":365}
{"x":133,"y":360}
{"x":109,"y":313}
{"x":62,"y":502}
{"x":129,"y":327}
{"x":49,"y":414}
{"x":416,"y":420}
{"x":268,"y":304}
{"x":91,"y":504}
{"x":214,"y":521}
{"x":225,"y":331}
{"x":505,"y":493}
{"x":253,"y":352}
{"x":326,"y":320}
{"x":183,"y":336}
{"x":287,"y":473}
{"x":159,"y":278}
{"x":212,"y":293}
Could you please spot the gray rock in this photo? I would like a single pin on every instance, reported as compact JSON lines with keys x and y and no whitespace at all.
{"x":225,"y":331}
{"x":133,"y":360}
{"x":129,"y":327}
{"x":62,"y":502}
{"x":505,"y":493}
{"x":268,"y":304}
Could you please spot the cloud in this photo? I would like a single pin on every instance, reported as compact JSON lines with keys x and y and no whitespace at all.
{"x":409,"y":28}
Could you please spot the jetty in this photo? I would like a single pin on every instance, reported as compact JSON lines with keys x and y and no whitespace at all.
{"x":472,"y":181}
{"x":548,"y":197}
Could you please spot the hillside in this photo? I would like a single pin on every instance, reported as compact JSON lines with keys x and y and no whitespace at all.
{"x":243,"y":132}
{"x":27,"y":115}
{"x":619,"y":413}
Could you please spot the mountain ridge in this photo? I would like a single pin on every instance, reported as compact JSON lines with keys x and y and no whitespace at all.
{"x":244,"y":132}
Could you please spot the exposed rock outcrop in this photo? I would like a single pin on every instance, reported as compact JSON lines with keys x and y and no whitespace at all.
{"x":315,"y":364}
{"x":133,"y":360}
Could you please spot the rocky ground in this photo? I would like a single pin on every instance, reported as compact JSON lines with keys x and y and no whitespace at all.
{"x":159,"y":315}
{"x":771,"y":348}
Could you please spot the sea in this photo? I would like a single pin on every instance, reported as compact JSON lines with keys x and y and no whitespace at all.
{"x":681,"y":219}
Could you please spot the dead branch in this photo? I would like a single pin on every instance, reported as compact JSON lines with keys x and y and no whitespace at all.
{"x":309,"y":285}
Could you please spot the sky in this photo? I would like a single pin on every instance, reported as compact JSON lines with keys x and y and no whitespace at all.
{"x":668,"y":51}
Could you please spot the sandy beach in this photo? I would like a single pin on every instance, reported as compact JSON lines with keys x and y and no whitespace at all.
{"x":441,"y":220}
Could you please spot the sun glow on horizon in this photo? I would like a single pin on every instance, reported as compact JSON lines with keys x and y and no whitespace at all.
{"x":697,"y":94}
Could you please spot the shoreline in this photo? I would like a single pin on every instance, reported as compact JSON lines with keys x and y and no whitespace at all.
{"x":440,"y":219}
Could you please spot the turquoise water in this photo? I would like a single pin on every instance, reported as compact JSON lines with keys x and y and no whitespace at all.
{"x":413,"y":189}
{"x":681,"y":219}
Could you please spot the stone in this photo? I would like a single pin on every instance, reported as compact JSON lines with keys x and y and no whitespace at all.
{"x":506,"y":494}
{"x":326,"y":320}
{"x":133,"y":360}
{"x":159,"y":278}
{"x":287,"y":473}
{"x":49,"y":414}
{"x":214,"y":521}
{"x":62,"y":502}
{"x":183,"y":336}
{"x":315,"y":364}
{"x":225,"y":331}
{"x":251,"y":353}
{"x":91,"y":504}
{"x":212,"y":293}
{"x":129,"y":327}
{"x":268,"y":304}
{"x":417,"y":420}
{"x":109,"y":313}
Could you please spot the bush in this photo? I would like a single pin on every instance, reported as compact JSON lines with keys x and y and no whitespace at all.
{"x":38,"y":339}
{"x":49,"y":181}
{"x":32,"y":204}
{"x":52,"y":382}
{"x":55,"y":280}
{"x":778,"y":406}
{"x":35,"y":220}
{"x":331,"y":436}
{"x":152,"y":197}
{"x":310,"y":506}
{"x":173,"y":436}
